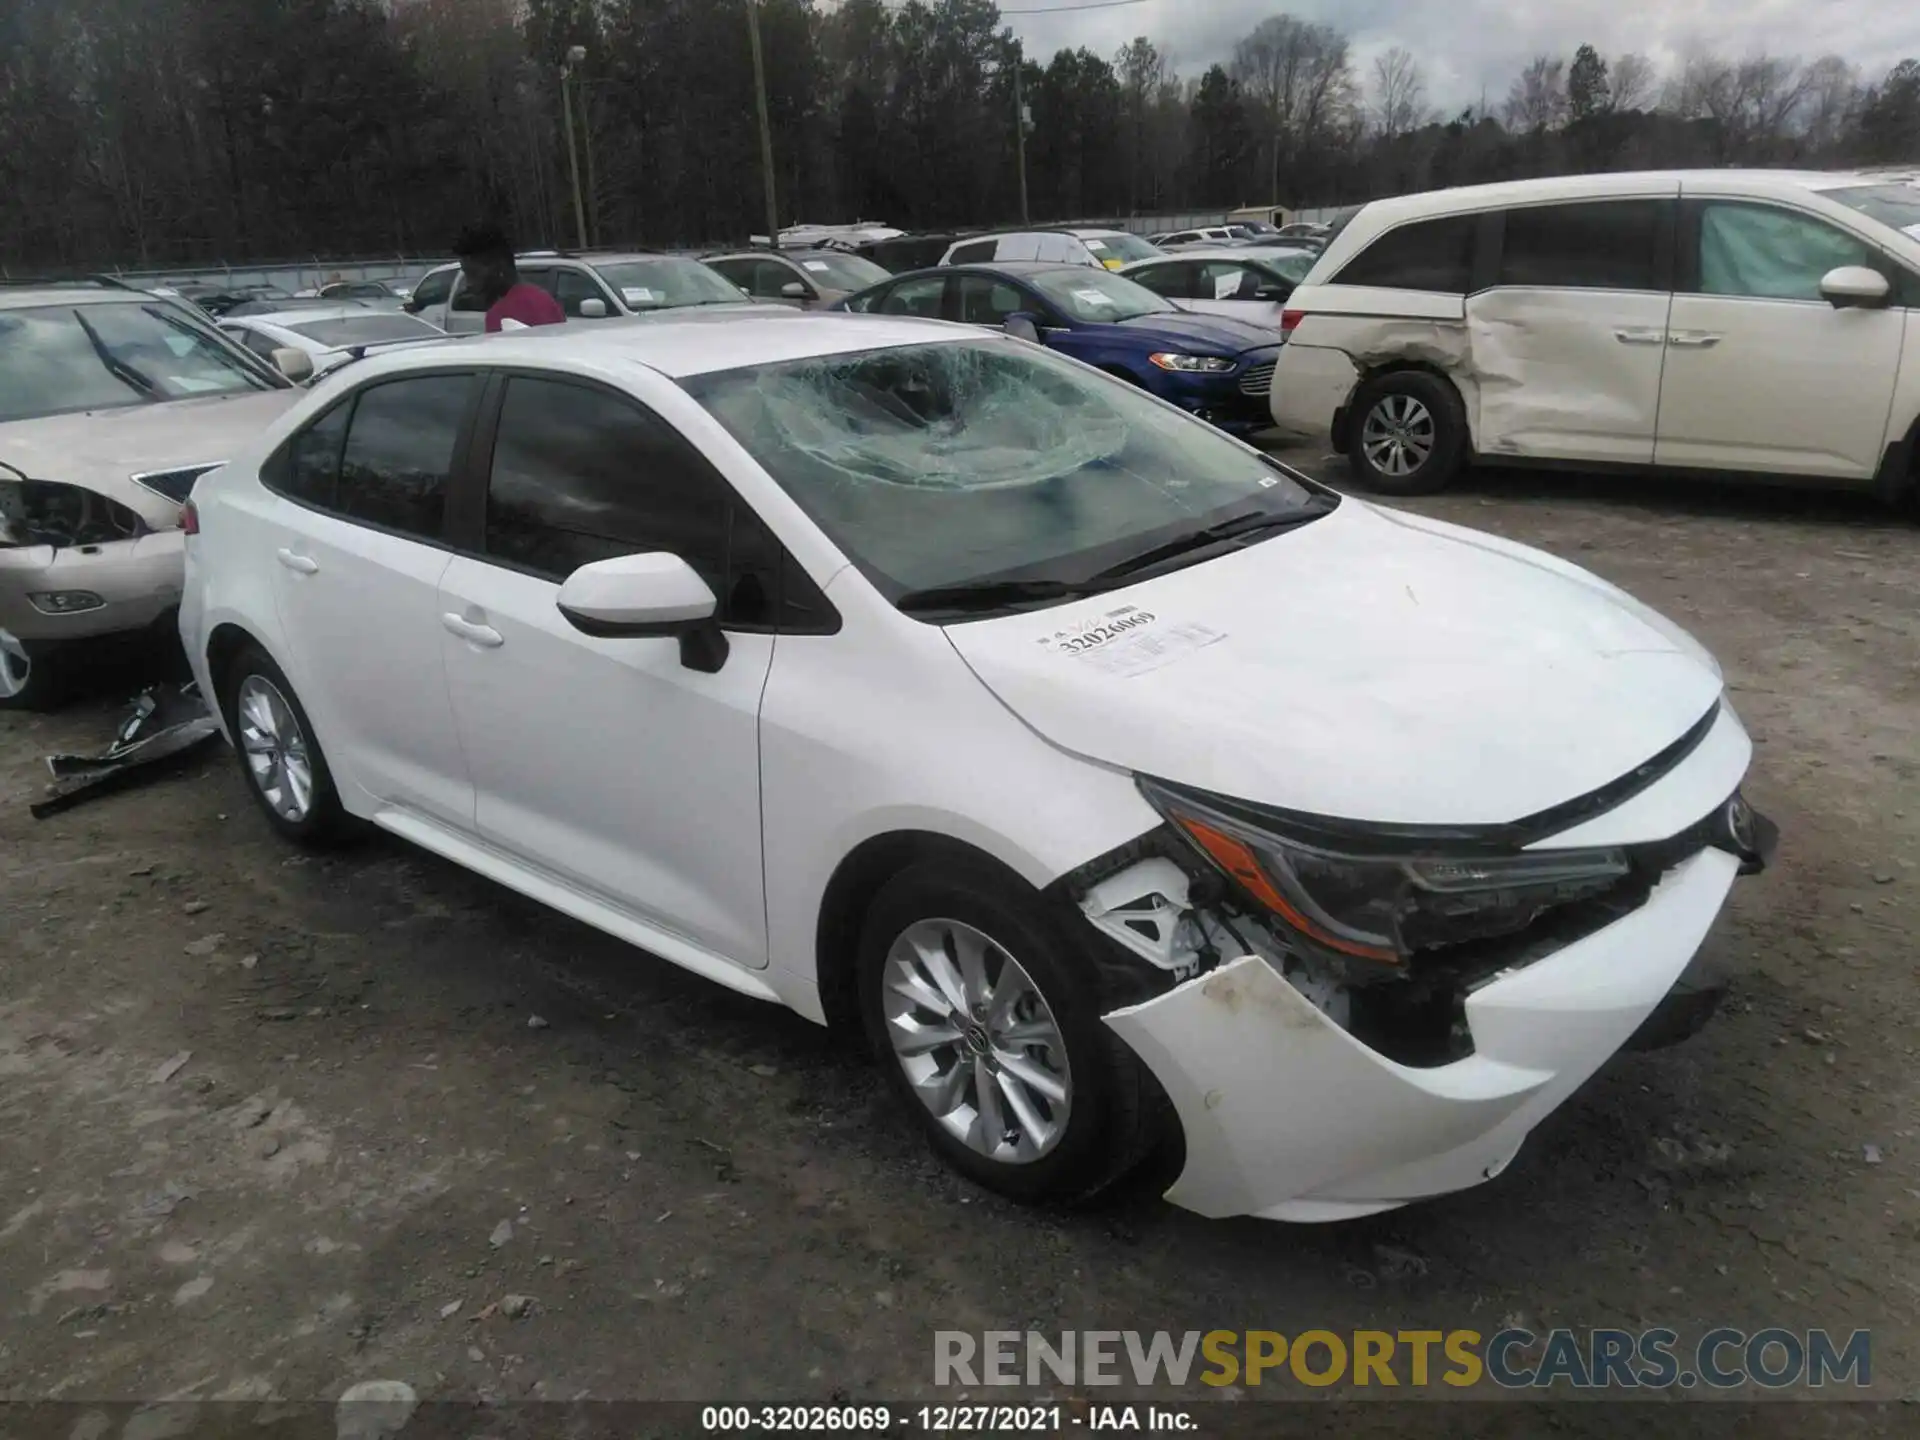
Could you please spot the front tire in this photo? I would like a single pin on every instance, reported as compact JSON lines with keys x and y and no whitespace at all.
{"x":31,"y":674}
{"x":285,"y":768}
{"x":988,"y":1024}
{"x":1408,"y":435}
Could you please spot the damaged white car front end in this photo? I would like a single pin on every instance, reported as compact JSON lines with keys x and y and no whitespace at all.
{"x":90,"y":506}
{"x":1311,"y":1090}
{"x":1354,"y":1013}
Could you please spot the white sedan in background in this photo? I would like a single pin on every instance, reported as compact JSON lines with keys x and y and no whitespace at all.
{"x":329,"y":337}
{"x":1110,"y":775}
{"x":1247,"y":283}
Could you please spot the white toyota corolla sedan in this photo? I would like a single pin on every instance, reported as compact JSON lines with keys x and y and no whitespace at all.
{"x":1122,"y":784}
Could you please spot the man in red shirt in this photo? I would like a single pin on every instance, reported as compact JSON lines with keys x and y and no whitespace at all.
{"x":486,"y":260}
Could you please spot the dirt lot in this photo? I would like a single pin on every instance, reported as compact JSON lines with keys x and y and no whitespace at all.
{"x":405,"y":1090}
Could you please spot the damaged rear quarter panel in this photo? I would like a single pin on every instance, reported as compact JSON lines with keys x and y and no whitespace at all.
{"x":1381,"y":330}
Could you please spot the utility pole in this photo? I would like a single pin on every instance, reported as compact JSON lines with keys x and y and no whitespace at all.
{"x":1020,"y":130}
{"x":575,"y":55}
{"x":766,"y":130}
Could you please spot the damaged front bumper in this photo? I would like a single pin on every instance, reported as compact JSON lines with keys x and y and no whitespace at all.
{"x":131,"y":583}
{"x":1287,"y":1116}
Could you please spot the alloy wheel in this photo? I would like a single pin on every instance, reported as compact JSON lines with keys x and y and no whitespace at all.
{"x":275,"y":749}
{"x":16,"y":666}
{"x":1398,"y":436}
{"x":977,"y":1040}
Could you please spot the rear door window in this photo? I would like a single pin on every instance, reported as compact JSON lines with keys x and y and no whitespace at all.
{"x":919,"y":296}
{"x":972,"y":252}
{"x":307,"y":468}
{"x":398,"y":459}
{"x":988,"y":300}
{"x":1176,"y":282}
{"x":1432,"y":255}
{"x":1593,"y":245}
{"x":1228,"y":280}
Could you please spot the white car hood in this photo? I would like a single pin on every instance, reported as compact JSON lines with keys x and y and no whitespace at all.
{"x":1370,"y":666}
{"x":104,"y":449}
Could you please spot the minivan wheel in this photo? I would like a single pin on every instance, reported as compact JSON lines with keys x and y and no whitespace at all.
{"x":987,"y":1024}
{"x":30,"y":674}
{"x":1408,"y":435}
{"x":285,"y":769}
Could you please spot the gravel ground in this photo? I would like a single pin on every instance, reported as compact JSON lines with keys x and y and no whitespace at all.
{"x":273,"y":1124}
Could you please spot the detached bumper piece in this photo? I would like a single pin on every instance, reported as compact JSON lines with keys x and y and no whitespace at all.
{"x":1290,"y":1117}
{"x":164,"y":723}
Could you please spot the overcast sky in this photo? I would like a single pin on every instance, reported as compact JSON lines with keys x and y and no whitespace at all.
{"x":1466,"y":44}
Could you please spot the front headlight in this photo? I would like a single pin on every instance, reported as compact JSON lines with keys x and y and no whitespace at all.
{"x":1383,"y":904}
{"x":1192,"y":364}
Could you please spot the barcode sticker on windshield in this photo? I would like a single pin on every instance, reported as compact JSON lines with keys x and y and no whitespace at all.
{"x":637,"y":295}
{"x":819,"y":267}
{"x":1092,"y":297}
{"x":1129,"y":641}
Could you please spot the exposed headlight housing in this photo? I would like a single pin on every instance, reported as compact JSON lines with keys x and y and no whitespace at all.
{"x":1192,"y":364}
{"x":1358,"y":900}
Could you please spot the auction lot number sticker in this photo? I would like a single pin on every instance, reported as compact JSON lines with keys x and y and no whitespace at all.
{"x":1129,"y":641}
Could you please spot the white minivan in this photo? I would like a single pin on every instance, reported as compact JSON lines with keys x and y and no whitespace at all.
{"x":1718,"y":320}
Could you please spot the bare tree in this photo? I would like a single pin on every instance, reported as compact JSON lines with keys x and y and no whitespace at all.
{"x":1751,"y":104}
{"x":1399,"y":94}
{"x":1538,"y":99}
{"x":1300,"y":79}
{"x":1630,"y":83}
{"x":1834,"y":99}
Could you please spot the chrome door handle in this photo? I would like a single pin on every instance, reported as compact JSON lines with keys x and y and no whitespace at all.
{"x":1693,"y":339}
{"x":483,"y":635}
{"x":299,"y":564}
{"x":1640,"y":336}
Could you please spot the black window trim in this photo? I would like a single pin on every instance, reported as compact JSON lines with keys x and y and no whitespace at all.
{"x":467,"y":503}
{"x":350,"y":402}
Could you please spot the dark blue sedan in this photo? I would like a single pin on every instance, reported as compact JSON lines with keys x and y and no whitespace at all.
{"x":1218,"y":368}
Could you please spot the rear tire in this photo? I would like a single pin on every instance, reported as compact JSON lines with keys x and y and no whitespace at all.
{"x":285,"y":769}
{"x":33,"y":676}
{"x":1408,"y":433}
{"x":1067,"y":1108}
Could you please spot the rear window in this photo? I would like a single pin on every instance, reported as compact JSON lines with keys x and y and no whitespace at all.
{"x":1435,"y":255}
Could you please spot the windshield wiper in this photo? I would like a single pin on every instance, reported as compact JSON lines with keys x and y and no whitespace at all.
{"x":1233,"y":528}
{"x":116,"y":367}
{"x":985,"y":595}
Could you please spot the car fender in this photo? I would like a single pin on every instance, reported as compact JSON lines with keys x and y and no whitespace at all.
{"x":951,"y":762}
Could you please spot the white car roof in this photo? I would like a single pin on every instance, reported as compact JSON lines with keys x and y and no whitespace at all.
{"x":1780,"y":183}
{"x":681,"y":345}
